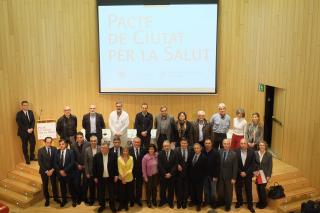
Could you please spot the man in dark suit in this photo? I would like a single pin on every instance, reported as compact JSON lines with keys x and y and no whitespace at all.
{"x":67,"y":125}
{"x":197,"y":173}
{"x":93,"y":123}
{"x":202,"y":129}
{"x":25,"y":120}
{"x":46,"y":157}
{"x":117,"y":150}
{"x":78,"y":147}
{"x":163,"y":123}
{"x":228,"y":174}
{"x":246,"y":167}
{"x":137,"y":152}
{"x":182,"y":182}
{"x":65,"y":168}
{"x":167,"y":166}
{"x":143,"y":124}
{"x":105,"y":173}
{"x":213,"y":169}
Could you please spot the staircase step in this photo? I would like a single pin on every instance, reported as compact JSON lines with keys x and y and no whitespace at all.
{"x":294,"y":206}
{"x":283,"y":176}
{"x":20,"y":187}
{"x":292,"y":184}
{"x":25,"y":178}
{"x":32,"y":168}
{"x":14,"y":198}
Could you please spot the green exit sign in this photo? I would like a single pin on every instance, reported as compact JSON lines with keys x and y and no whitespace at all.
{"x":261,"y":87}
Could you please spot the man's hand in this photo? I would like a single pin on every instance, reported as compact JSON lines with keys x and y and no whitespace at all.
{"x":88,"y":176}
{"x":145,"y":179}
{"x":233,"y":181}
{"x":96,"y":180}
{"x":215,"y":179}
{"x":243,"y":174}
{"x":168,"y":175}
{"x":30,"y":130}
{"x":62,"y":173}
{"x":116,"y":178}
{"x":179,"y":168}
{"x":144,"y":134}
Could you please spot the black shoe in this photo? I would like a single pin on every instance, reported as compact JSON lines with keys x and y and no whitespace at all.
{"x":154,"y":203}
{"x":149,"y":204}
{"x":131,"y":204}
{"x":90,"y":203}
{"x":101,"y":208}
{"x":198,"y":208}
{"x":113,"y":210}
{"x":78,"y":202}
{"x":171,"y":205}
{"x":47,"y":203}
{"x":204,"y":204}
{"x":162,"y":203}
{"x":191,"y":204}
{"x":251,"y":209}
{"x":28,"y":162}
{"x":227,"y":209}
{"x":57,"y":201}
{"x":238,"y":205}
{"x":261,"y":206}
{"x":120,"y":208}
{"x":126,"y":208}
{"x":178,"y":205}
{"x":63,"y":203}
{"x":74,"y":204}
{"x":139,"y":203}
{"x":184,"y":206}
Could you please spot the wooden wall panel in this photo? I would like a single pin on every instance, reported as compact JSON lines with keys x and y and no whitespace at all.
{"x":49,"y":56}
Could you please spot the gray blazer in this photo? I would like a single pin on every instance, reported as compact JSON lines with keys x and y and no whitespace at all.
{"x":88,"y":159}
{"x":228,"y":167}
{"x":168,"y":126}
{"x":265,"y":164}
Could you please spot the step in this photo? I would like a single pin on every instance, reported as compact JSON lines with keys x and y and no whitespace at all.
{"x":20,"y":187}
{"x":15,"y":198}
{"x":294,"y":206}
{"x":24,"y":177}
{"x":33,"y":168}
{"x":292,"y":184}
{"x":294,"y":195}
{"x":285,"y":176}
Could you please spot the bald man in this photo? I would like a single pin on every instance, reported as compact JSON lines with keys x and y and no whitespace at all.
{"x":67,"y":125}
{"x":93,"y":123}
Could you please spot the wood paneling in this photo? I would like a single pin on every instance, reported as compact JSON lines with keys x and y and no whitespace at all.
{"x":49,"y":56}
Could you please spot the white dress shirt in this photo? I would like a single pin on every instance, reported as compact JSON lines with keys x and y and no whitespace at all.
{"x":239,"y":126}
{"x":105,"y":166}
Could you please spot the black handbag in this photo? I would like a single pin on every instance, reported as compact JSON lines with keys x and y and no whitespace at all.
{"x":276,"y":191}
{"x":310,"y":207}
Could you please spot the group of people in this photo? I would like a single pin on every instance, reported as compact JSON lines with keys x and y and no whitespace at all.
{"x":188,"y":159}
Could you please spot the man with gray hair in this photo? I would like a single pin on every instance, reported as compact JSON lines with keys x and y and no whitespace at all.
{"x":201,"y":128}
{"x":67,"y":125}
{"x":220,"y":125}
{"x":93,"y":123}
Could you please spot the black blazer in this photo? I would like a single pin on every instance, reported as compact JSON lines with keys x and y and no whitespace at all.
{"x":69,"y":162}
{"x":197,"y":172}
{"x":98,"y":167}
{"x":184,"y":164}
{"x":24,"y":124}
{"x":62,"y":126}
{"x":165,"y":166}
{"x":266,"y":163}
{"x":79,"y":157}
{"x":249,"y":165}
{"x":137,"y":162}
{"x":188,"y":134}
{"x":213,"y":165}
{"x":113,"y":149}
{"x":99,"y":123}
{"x":228,"y":167}
{"x":206,"y":130}
{"x":142,"y":123}
{"x":46,"y":162}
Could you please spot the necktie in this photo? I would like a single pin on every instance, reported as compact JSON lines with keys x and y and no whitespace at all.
{"x":184,"y":155}
{"x":27,"y":115}
{"x":195,"y":159}
{"x":137,"y":154}
{"x":167,"y":153}
{"x":49,"y":151}
{"x":224,"y":155}
{"x":62,"y":158}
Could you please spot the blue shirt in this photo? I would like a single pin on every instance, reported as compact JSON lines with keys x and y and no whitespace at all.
{"x":220,"y":125}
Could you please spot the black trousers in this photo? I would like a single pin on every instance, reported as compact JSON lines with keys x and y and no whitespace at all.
{"x":28,"y":139}
{"x":104,"y":183}
{"x":126,"y":194}
{"x":166,"y":185}
{"x":247,"y":182}
{"x":182,"y":189}
{"x":81,"y":184}
{"x":262,"y":194}
{"x":98,"y":135}
{"x":45,"y":183}
{"x":151,"y":188}
{"x":92,"y":188}
{"x":145,"y":141}
{"x":225,"y":191}
{"x":161,"y":138}
{"x":65,"y":182}
{"x":137,"y":188}
{"x":196,"y":192}
{"x":217,"y":139}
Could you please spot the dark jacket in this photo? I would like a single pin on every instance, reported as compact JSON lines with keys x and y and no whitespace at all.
{"x":184,"y":164}
{"x":46,"y":162}
{"x":98,"y":167}
{"x":113,"y":151}
{"x":137,"y":162}
{"x":188,"y":134}
{"x":62,"y":126}
{"x":197,"y":172}
{"x":79,"y":156}
{"x":69,"y":165}
{"x":143,"y":123}
{"x":24,"y":124}
{"x":266,"y":163}
{"x":228,"y":167}
{"x":206,"y":130}
{"x":165,"y":166}
{"x":99,"y":123}
{"x":250,"y":164}
{"x":213,"y":165}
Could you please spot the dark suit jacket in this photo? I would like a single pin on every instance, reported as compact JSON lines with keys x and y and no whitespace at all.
{"x":99,"y":123}
{"x":98,"y":167}
{"x":46,"y":162}
{"x":249,"y":165}
{"x":79,"y":157}
{"x":169,"y":122}
{"x":228,"y":167}
{"x":113,"y":149}
{"x":62,"y":126}
{"x":206,"y":130}
{"x":188,"y":134}
{"x":69,"y":162}
{"x":266,"y":163}
{"x":184,"y":164}
{"x":214,"y":161}
{"x":143,"y":123}
{"x":197,"y":172}
{"x":165,"y":166}
{"x":24,"y":124}
{"x":137,"y":162}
